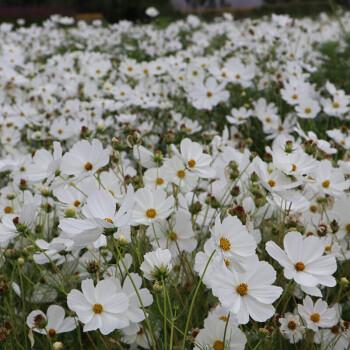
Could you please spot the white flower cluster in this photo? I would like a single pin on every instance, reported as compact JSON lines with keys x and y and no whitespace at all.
{"x":170,"y":187}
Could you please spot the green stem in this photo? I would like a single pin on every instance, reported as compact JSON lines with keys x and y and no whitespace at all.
{"x":194,"y":299}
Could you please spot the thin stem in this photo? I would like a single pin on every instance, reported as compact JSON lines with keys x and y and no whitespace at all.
{"x":194,"y":299}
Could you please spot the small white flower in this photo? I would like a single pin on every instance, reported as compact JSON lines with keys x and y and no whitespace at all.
{"x":304,"y":261}
{"x":152,"y":12}
{"x":101,"y":307}
{"x":318,"y":314}
{"x":157,"y":264}
{"x":52,"y":323}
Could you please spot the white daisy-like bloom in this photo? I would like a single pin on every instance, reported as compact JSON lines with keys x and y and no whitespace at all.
{"x":51,"y":251}
{"x":152,"y":12}
{"x":338,"y":336}
{"x":151,"y":206}
{"x":329,"y":180}
{"x":138,"y":297}
{"x":84,"y":158}
{"x":218,"y":334}
{"x":101,"y":207}
{"x":291,"y":327}
{"x":11,"y":224}
{"x":304,"y":261}
{"x":195,"y":160}
{"x":136,"y":335}
{"x":54,"y":322}
{"x":100,"y":213}
{"x":177,"y":237}
{"x":145,"y":157}
{"x":155,"y":178}
{"x":157,"y":264}
{"x":231,"y":239}
{"x":45,"y":164}
{"x":307,"y":108}
{"x":205,"y":94}
{"x":175,"y":172}
{"x":274,"y":180}
{"x":100,"y":307}
{"x":248,"y":294}
{"x":317,"y":315}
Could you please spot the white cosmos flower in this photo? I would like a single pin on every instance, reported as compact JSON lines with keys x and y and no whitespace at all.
{"x":52,"y":323}
{"x":51,"y":251}
{"x":101,"y":307}
{"x":157,"y":264}
{"x":151,"y":206}
{"x":152,"y":12}
{"x":100,"y":214}
{"x":101,"y":207}
{"x":307,"y":108}
{"x":291,"y":327}
{"x":195,"y":160}
{"x":304,"y":261}
{"x":155,"y":178}
{"x":231,"y":238}
{"x":44,"y":164}
{"x":177,"y":237}
{"x":273,"y":180}
{"x":217,"y":334}
{"x":84,"y":158}
{"x":318,"y":314}
{"x":247,"y":294}
{"x":11,"y":224}
{"x":132,"y":289}
{"x":207,"y":94}
{"x":329,"y":180}
{"x":176,"y":172}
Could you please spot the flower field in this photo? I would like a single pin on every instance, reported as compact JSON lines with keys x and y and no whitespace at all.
{"x":178,"y":186}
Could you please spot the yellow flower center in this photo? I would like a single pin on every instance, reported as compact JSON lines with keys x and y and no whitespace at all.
{"x":51,"y":332}
{"x":242,"y":289}
{"x":172,"y":236}
{"x":209,"y":94}
{"x":272,"y":183}
{"x":88,"y":166}
{"x":159,"y":181}
{"x":225,"y":244}
{"x":109,"y":220}
{"x":294,"y":167}
{"x":181,"y":174}
{"x":315,"y":317}
{"x":299,"y":266}
{"x":151,"y":213}
{"x":8,"y":210}
{"x":336,"y":104}
{"x":227,"y":262}
{"x":97,"y":309}
{"x":77,"y":203}
{"x":326,"y":183}
{"x":307,"y":110}
{"x":218,"y":345}
{"x":191,"y":163}
{"x":292,"y":325}
{"x":313,"y":208}
{"x":347,"y":228}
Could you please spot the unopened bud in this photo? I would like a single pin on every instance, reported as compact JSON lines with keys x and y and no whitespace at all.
{"x":57,"y":345}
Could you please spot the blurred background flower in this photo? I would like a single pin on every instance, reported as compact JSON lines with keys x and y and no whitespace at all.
{"x":114,"y":10}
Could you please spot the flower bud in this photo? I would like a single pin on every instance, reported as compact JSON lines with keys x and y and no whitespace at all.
{"x":57,"y":345}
